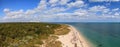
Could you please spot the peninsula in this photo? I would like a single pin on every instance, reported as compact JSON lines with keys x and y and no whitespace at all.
{"x":40,"y":35}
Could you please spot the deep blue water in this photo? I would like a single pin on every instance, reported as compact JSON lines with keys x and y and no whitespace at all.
{"x":100,"y":34}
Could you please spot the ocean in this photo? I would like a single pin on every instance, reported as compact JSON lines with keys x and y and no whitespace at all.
{"x":100,"y":34}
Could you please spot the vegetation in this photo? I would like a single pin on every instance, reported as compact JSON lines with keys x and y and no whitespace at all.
{"x":62,"y":30}
{"x":31,"y":34}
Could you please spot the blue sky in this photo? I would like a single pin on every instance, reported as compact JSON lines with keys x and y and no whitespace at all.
{"x":59,"y":10}
{"x":18,"y":4}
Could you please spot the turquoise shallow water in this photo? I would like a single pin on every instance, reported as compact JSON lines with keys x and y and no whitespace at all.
{"x":100,"y":34}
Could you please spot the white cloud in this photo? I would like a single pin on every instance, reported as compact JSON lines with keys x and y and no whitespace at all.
{"x":78,"y":4}
{"x":29,"y":12}
{"x":117,"y":14}
{"x":13,"y":13}
{"x":53,"y":13}
{"x":53,"y":1}
{"x":104,"y":0}
{"x":116,"y":9}
{"x":99,"y":8}
{"x":64,"y":2}
{"x":81,"y":12}
{"x":42,"y":5}
{"x":6,"y":10}
{"x":54,"y":10}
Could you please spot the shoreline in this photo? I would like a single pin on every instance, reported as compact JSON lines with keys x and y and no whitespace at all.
{"x":74,"y":39}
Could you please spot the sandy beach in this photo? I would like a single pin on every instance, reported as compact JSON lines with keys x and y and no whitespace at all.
{"x":73,"y":39}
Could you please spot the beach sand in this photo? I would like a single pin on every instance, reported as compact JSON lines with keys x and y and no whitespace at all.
{"x":73,"y":39}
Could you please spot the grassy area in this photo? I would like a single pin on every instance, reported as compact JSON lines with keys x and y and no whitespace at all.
{"x":62,"y":30}
{"x":31,"y":34}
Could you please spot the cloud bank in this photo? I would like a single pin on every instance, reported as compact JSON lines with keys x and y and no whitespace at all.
{"x":104,"y":0}
{"x":63,"y":11}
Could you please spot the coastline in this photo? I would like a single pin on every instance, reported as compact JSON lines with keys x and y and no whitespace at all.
{"x":74,"y":39}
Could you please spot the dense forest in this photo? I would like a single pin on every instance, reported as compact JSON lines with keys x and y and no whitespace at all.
{"x":30,"y":34}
